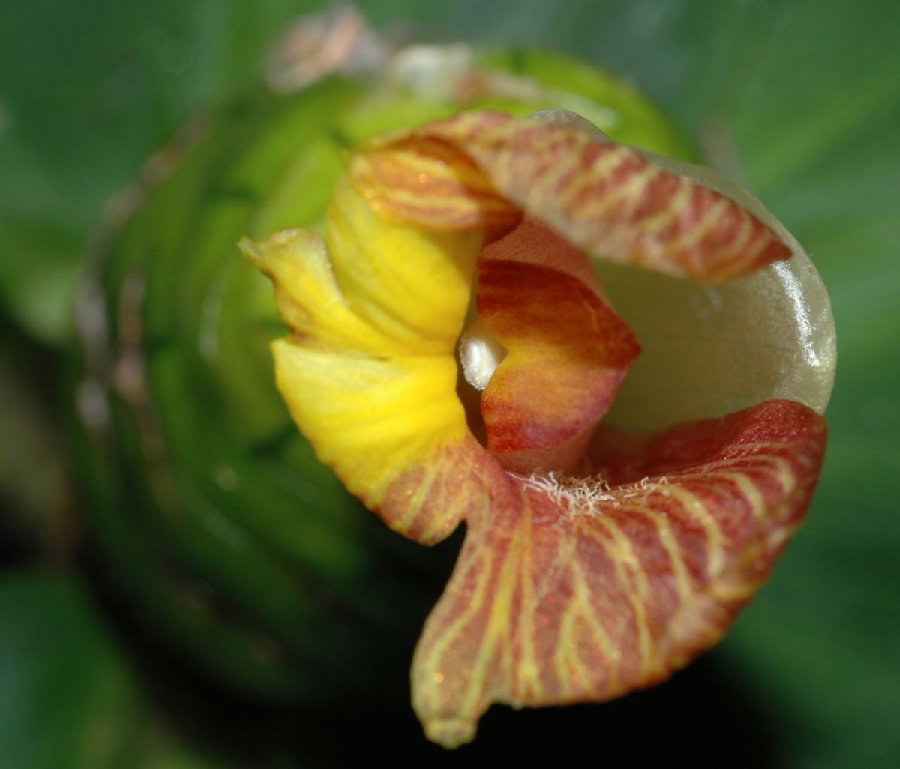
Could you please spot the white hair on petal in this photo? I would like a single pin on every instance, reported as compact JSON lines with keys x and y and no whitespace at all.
{"x":583,"y":496}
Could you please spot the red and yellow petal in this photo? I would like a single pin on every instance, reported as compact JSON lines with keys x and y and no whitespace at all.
{"x":582,"y":590}
{"x":538,"y":296}
{"x":432,"y":184}
{"x":605,"y":198}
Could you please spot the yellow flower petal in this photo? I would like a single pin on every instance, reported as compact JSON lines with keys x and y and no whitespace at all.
{"x":308,"y":298}
{"x":373,"y":286}
{"x":371,"y":420}
{"x":369,"y":372}
{"x":410,"y":284}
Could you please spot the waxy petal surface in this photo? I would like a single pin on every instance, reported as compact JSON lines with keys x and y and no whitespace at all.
{"x":538,"y":296}
{"x":572,"y":591}
{"x":605,"y":198}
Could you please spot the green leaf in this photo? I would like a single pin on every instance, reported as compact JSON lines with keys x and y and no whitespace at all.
{"x":38,"y":275}
{"x":68,"y":700}
{"x":90,"y":88}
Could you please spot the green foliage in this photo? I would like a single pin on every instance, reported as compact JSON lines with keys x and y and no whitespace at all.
{"x":69,"y":701}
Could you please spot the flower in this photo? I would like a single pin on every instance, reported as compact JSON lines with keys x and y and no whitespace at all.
{"x":594,"y":561}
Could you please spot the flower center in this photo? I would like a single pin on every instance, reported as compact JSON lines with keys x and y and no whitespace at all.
{"x":479,"y":354}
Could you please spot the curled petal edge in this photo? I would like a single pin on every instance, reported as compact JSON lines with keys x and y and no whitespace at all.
{"x":480,"y":169}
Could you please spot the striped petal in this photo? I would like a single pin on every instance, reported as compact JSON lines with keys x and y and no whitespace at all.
{"x":605,"y":198}
{"x":582,"y":590}
{"x":432,"y":184}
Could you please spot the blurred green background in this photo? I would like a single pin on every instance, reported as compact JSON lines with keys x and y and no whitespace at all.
{"x":798,"y":99}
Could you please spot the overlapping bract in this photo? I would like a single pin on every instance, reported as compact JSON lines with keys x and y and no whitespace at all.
{"x":594,"y":562}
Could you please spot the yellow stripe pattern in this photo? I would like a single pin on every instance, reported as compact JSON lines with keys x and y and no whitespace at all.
{"x":605,"y":198}
{"x":561,"y":598}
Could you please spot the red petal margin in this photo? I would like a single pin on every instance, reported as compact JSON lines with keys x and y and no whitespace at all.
{"x":606,"y":198}
{"x":538,"y":295}
{"x":572,"y":590}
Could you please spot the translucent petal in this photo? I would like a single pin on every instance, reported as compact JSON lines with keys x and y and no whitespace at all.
{"x":710,"y":350}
